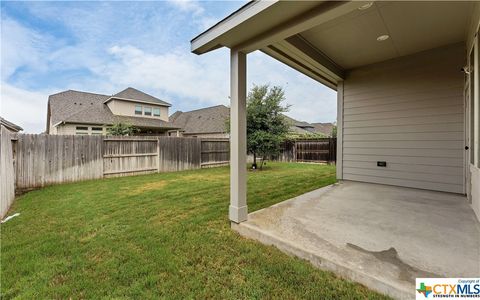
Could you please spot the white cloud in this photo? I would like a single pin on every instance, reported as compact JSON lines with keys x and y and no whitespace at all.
{"x":188,"y":6}
{"x":21,"y":47}
{"x":197,"y":11}
{"x":310,"y":101}
{"x":25,"y":108}
{"x":201,"y":78}
{"x":205,"y":79}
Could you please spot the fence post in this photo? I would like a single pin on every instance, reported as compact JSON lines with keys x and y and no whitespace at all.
{"x":329,"y":150}
{"x":102,"y":153}
{"x":158,"y":154}
{"x":294,"y":151}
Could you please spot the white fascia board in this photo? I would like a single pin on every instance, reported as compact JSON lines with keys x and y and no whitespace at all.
{"x":329,"y":82}
{"x":311,"y":55}
{"x":307,"y":61}
{"x":205,"y":41}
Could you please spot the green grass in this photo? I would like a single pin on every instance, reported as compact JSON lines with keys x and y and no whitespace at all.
{"x":159,"y":236}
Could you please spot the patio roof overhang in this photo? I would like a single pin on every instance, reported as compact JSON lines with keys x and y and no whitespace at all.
{"x":323,"y":39}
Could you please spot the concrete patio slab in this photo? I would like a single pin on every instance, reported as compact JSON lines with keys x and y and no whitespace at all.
{"x":381,"y":236}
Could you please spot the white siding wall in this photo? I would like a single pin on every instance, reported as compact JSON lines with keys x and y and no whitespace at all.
{"x":70,"y":129}
{"x":408,"y":112}
{"x":475,"y":169}
{"x":127,"y":108}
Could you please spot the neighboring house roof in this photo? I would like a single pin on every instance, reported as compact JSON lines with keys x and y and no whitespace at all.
{"x":132,"y":94}
{"x":324,"y":128}
{"x":89,"y":108}
{"x":213,"y":120}
{"x":9,"y":125}
{"x":299,"y":130}
{"x":300,"y":124}
{"x":65,"y":104}
{"x":301,"y":127}
{"x":206,"y":120}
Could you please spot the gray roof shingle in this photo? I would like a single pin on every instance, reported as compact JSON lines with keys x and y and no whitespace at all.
{"x":205,"y":120}
{"x":297,"y":123}
{"x":325,"y":128}
{"x":65,"y":104}
{"x":134,"y":94}
{"x":213,"y":120}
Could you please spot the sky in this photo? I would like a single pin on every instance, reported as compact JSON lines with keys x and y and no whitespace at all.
{"x":105,"y":47}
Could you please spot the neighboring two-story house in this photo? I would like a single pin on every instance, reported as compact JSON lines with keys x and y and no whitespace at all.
{"x":74,"y":112}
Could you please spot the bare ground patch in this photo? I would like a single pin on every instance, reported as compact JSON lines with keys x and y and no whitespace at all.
{"x":147,"y":187}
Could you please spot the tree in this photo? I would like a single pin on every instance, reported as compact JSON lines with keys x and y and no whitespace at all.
{"x":122,"y":129}
{"x":266,"y":125}
{"x":334,"y":131}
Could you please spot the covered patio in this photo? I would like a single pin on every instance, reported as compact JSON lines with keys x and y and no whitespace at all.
{"x":381,"y":236}
{"x":408,"y":159}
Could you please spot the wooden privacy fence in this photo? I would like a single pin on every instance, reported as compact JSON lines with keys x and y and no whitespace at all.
{"x":123,"y":156}
{"x":30,"y":161}
{"x":7,"y":171}
{"x":318,"y":150}
{"x":214,"y":152}
{"x":48,"y":159}
{"x":129,"y":156}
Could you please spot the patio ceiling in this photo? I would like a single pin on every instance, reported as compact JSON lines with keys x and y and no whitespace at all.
{"x":323,"y":39}
{"x":351,"y":40}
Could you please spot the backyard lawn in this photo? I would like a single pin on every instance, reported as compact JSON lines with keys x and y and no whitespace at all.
{"x":159,"y":236}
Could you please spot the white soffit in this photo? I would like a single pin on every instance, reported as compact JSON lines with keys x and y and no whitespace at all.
{"x":247,"y":22}
{"x":351,"y":40}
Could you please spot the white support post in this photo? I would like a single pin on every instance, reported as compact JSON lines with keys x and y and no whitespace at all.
{"x":339,"y":162}
{"x":238,"y":137}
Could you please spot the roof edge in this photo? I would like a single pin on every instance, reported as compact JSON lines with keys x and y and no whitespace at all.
{"x":107,"y":124}
{"x":76,"y":91}
{"x":135,"y":100}
{"x":209,"y":107}
{"x":9,"y":124}
{"x":204,"y":42}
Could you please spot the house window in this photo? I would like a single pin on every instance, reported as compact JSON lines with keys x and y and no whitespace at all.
{"x":147,"y":111}
{"x":81,"y":130}
{"x":97,"y":130}
{"x":156,"y":112}
{"x":138,"y":109}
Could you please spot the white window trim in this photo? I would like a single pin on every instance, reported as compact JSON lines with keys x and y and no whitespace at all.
{"x":135,"y":110}
{"x":144,"y":112}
